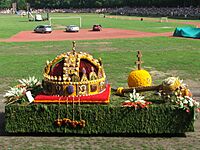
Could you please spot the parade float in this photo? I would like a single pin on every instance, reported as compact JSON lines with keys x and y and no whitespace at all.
{"x":74,"y":97}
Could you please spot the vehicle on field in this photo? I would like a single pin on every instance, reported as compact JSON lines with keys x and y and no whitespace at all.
{"x":72,"y":28}
{"x":97,"y":27}
{"x":43,"y":29}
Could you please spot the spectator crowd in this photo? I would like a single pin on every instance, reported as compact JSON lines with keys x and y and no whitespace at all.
{"x":186,"y":12}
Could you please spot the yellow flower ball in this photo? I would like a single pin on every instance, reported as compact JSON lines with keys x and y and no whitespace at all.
{"x":139,"y":78}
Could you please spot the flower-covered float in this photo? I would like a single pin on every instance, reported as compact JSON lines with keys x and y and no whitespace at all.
{"x":74,"y":98}
{"x":74,"y":77}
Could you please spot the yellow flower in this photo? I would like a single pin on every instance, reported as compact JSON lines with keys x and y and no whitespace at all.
{"x":119,"y":91}
{"x":139,"y":78}
{"x":171,"y":84}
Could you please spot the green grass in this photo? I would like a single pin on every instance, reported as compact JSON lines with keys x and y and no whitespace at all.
{"x":20,"y":60}
{"x":12,"y":24}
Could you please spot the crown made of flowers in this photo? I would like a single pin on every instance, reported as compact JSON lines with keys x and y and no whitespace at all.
{"x":74,"y":73}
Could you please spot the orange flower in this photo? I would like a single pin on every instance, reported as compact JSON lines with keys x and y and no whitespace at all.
{"x":58,"y":122}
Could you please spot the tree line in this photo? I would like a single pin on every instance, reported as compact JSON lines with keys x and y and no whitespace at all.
{"x":55,"y":4}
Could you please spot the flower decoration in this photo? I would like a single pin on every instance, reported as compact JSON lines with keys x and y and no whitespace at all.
{"x":186,"y":103}
{"x":139,"y":78}
{"x":171,"y":83}
{"x":173,"y":86}
{"x":70,"y":123}
{"x":136,"y":101}
{"x":18,"y":93}
{"x":178,"y":93}
{"x":14,"y":94}
{"x":31,"y":82}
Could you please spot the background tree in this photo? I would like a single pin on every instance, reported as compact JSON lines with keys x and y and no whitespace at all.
{"x":21,"y":4}
{"x":5,"y":3}
{"x":98,"y":3}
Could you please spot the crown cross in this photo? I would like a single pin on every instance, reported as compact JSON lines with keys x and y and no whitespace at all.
{"x":74,"y":47}
{"x":139,"y":61}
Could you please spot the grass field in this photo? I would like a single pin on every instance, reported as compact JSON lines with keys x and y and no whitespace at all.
{"x":21,"y":59}
{"x":12,"y":24}
{"x":162,"y":56}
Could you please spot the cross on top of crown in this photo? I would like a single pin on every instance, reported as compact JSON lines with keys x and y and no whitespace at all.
{"x":139,"y":61}
{"x":74,"y":46}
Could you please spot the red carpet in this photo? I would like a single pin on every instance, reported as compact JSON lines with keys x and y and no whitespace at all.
{"x":102,"y":98}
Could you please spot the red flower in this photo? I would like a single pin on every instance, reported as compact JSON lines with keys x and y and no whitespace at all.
{"x":187,"y":110}
{"x":137,"y":104}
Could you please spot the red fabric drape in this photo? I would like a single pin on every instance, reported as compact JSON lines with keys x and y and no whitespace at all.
{"x":102,"y":97}
{"x":57,"y":69}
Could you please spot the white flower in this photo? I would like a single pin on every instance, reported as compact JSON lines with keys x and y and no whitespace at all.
{"x":135,"y":97}
{"x":181,"y":105}
{"x":18,"y":92}
{"x":196,"y":104}
{"x":171,"y":80}
{"x":30,"y":82}
{"x":190,"y":104}
{"x":14,"y":92}
{"x":185,"y":101}
{"x":180,"y":98}
{"x":127,"y":101}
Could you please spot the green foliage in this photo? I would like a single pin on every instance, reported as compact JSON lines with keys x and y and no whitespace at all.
{"x":5,"y":3}
{"x":100,"y":119}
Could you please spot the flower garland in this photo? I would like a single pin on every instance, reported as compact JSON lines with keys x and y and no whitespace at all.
{"x":70,"y":123}
{"x":136,"y":101}
{"x":179,"y":94}
{"x":18,"y":93}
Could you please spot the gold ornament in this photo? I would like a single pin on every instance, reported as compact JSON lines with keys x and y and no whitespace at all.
{"x":139,"y":77}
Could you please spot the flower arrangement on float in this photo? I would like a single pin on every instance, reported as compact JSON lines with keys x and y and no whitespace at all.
{"x":178,"y":93}
{"x":18,"y":93}
{"x":187,"y":103}
{"x":172,"y":91}
{"x":136,"y":101}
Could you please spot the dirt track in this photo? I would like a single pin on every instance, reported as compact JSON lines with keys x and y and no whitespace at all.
{"x":87,"y":34}
{"x":83,"y":34}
